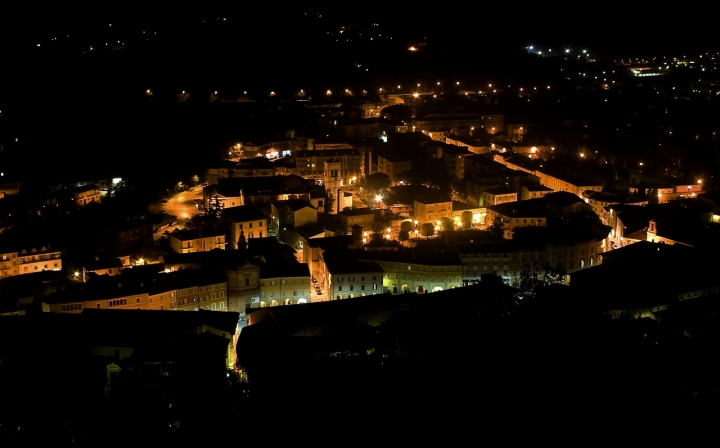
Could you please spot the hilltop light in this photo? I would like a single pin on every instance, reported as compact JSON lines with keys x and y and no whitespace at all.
{"x":412,"y":49}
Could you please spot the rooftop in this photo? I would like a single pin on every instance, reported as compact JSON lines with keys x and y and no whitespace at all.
{"x":336,"y":267}
{"x":243,"y":213}
{"x":288,"y":269}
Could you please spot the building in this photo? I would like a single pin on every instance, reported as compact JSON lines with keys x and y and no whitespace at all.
{"x":130,"y":234}
{"x":478,"y":213}
{"x":451,"y":157}
{"x":197,"y":240}
{"x":86,"y":194}
{"x":408,"y":270}
{"x":248,"y":220}
{"x":567,"y":182}
{"x":292,"y":213}
{"x":28,"y":261}
{"x":459,"y":121}
{"x":180,"y":290}
{"x":598,"y":200}
{"x":257,"y":190}
{"x":432,"y":207}
{"x":393,"y":166}
{"x":529,"y":213}
{"x":283,"y":284}
{"x":363,"y":217}
{"x":498,"y":195}
{"x":348,"y":279}
{"x":310,"y":164}
{"x":532,"y":191}
{"x":472,"y":145}
{"x":107,"y":266}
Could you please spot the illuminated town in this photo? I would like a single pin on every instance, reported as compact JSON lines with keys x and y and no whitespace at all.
{"x":369,"y":220}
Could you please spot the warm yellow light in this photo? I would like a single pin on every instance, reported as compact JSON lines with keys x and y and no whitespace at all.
{"x":329,"y":92}
{"x":416,"y":222}
{"x":76,"y":274}
{"x":412,"y":49}
{"x":699,"y":181}
{"x":416,"y":95}
{"x":378,"y":198}
{"x":533,"y":149}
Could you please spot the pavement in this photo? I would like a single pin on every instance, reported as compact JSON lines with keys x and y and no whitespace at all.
{"x":182,"y":207}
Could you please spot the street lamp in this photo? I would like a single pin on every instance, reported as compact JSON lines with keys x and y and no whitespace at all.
{"x":378,"y":198}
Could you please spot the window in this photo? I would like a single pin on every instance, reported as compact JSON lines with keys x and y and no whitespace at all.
{"x":97,"y":305}
{"x":137,"y":299}
{"x":283,"y":293}
{"x":222,"y":305}
{"x":374,"y":286}
{"x":432,"y":279}
{"x":294,"y":293}
{"x":117,"y":302}
{"x":362,"y":287}
{"x":424,"y":278}
{"x":263,"y":295}
{"x":247,"y":281}
{"x":272,"y":294}
{"x":172,"y":295}
{"x":283,"y":282}
{"x":72,"y":307}
{"x":352,"y":288}
{"x":251,"y":225}
{"x":272,"y":283}
{"x":213,"y":307}
{"x":442,"y":279}
{"x":417,"y":278}
{"x":340,"y":288}
{"x":221,"y":294}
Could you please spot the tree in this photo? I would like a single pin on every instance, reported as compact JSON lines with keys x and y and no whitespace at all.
{"x":376,"y":182}
{"x":497,"y":227}
{"x":214,"y":208}
{"x":466,"y":219}
{"x":533,"y":278}
{"x":447,"y":225}
{"x":407,"y":226}
{"x":427,"y":229}
{"x":404,"y":235}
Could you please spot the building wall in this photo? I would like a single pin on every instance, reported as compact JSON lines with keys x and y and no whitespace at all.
{"x":527,"y":194}
{"x":283,"y":291}
{"x":304,"y":216}
{"x":243,"y":288}
{"x":8,"y":264}
{"x":37,"y":262}
{"x":212,"y":297}
{"x":496,"y":199}
{"x":257,"y":228}
{"x":204,"y":244}
{"x":402,"y":278}
{"x":343,"y":286}
{"x":432,"y":212}
{"x":86,"y":197}
{"x":512,"y":222}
